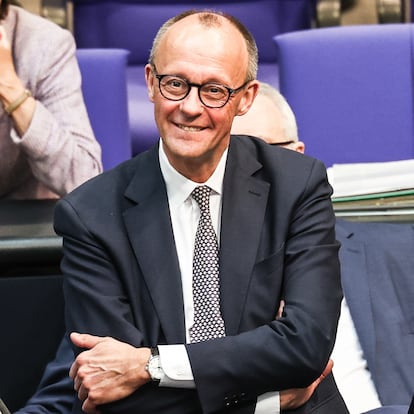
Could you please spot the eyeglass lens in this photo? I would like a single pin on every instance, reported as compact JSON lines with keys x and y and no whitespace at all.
{"x":211,"y":94}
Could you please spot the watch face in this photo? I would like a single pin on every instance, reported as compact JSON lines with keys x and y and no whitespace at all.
{"x":154,"y":368}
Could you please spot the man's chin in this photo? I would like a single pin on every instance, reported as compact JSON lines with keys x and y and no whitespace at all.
{"x":187,"y":144}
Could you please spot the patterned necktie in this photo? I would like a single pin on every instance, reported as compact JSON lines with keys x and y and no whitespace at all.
{"x":208,"y":322}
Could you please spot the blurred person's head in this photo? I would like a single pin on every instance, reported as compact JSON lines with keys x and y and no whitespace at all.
{"x":271,"y":119}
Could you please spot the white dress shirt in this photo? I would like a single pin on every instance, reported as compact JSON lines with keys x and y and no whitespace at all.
{"x":350,"y":367}
{"x":185,"y":214}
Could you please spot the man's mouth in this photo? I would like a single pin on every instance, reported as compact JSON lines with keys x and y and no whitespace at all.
{"x":189,"y":128}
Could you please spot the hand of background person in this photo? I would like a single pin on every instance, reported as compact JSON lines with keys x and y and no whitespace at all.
{"x":10,"y":84}
{"x":108,"y":370}
{"x":11,"y":87}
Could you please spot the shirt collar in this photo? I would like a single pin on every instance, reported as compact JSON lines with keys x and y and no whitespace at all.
{"x":179,"y":187}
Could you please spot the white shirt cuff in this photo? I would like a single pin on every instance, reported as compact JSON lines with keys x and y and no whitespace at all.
{"x":176,"y":366}
{"x":268,"y":403}
{"x":178,"y":374}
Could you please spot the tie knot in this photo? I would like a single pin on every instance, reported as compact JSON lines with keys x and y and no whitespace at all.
{"x":201,"y":194}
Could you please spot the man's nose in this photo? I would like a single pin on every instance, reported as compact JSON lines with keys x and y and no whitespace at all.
{"x":192,"y":104}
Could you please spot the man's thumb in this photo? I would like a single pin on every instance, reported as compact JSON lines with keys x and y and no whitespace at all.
{"x":85,"y":341}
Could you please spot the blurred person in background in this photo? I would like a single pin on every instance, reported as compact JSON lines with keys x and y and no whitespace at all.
{"x":272,"y":119}
{"x":46,"y":140}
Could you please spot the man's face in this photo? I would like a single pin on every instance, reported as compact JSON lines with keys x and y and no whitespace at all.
{"x":194,"y":135}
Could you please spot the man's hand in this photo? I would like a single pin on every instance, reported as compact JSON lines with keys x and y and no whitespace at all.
{"x":107,"y":371}
{"x":294,"y":398}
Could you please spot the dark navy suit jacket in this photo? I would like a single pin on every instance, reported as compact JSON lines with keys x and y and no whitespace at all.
{"x":377,"y":263}
{"x":277,"y":240}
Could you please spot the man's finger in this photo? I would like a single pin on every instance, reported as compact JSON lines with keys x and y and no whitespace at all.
{"x":73,"y":370}
{"x":89,"y":408}
{"x":280,"y":310}
{"x":85,"y":341}
{"x":325,"y":372}
{"x":327,"y":369}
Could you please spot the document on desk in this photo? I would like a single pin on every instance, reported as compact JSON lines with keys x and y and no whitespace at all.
{"x":370,"y":180}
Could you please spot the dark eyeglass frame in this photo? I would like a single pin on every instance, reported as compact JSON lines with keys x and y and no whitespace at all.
{"x":190,"y":85}
{"x":281,"y":143}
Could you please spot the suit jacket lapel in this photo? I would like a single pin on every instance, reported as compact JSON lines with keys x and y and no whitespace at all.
{"x":244,"y":205}
{"x":240,"y":234}
{"x":149,"y":229}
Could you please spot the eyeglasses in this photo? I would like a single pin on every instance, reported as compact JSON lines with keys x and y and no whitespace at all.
{"x":211,"y":95}
{"x":282,"y":143}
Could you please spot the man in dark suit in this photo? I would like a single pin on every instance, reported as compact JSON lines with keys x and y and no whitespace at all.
{"x":129,"y":240}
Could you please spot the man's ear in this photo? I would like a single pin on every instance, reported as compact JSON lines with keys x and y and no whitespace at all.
{"x":299,"y":146}
{"x":149,"y":78}
{"x":249,"y":94}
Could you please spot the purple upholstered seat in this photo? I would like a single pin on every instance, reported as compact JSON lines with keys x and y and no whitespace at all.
{"x":352,"y":91}
{"x":132,"y":25}
{"x":104,"y":88}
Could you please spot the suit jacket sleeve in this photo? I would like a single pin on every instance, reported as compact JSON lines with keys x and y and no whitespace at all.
{"x":55,"y":391}
{"x":297,"y":260}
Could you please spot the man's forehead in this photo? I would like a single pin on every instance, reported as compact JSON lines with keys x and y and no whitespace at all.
{"x":221,"y":30}
{"x":195,"y":46}
{"x":214,"y":20}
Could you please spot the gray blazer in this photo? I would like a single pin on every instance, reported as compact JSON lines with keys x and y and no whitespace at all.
{"x":377,"y":266}
{"x":58,"y":151}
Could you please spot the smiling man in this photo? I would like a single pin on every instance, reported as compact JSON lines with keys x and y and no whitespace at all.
{"x":175,"y":262}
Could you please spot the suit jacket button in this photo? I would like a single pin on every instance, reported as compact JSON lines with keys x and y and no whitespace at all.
{"x":227,"y":401}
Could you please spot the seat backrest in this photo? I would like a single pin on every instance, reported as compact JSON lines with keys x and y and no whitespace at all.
{"x":351,"y":89}
{"x":104,"y":88}
{"x":132,"y":24}
{"x":31,"y":296}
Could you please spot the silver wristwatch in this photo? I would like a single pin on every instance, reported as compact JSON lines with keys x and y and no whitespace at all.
{"x":153,"y":366}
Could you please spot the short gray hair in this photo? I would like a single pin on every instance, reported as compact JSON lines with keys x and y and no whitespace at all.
{"x":210,"y":18}
{"x":290,"y":126}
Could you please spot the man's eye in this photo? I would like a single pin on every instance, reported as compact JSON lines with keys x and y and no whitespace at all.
{"x":176,"y":84}
{"x":214,"y":90}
